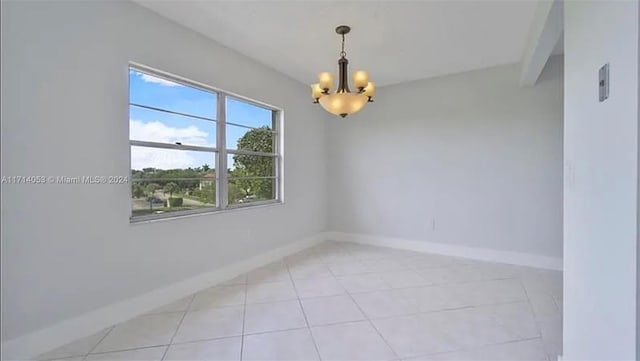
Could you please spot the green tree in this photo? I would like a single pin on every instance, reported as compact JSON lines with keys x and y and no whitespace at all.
{"x":206,"y":168}
{"x":136,"y":190}
{"x":248,"y":166}
{"x":257,"y":140}
{"x":236,"y":192}
{"x":171,"y":188}
{"x":206,"y":193}
{"x":163,"y":176}
{"x":151,"y":189}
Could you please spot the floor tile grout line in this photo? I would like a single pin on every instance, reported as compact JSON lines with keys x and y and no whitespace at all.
{"x":121,"y":350}
{"x":304,"y":314}
{"x":193,"y":296}
{"x":211,"y":339}
{"x":500,"y":278}
{"x":533,"y":313}
{"x":244,"y":316}
{"x":368,"y":319}
{"x":84,"y":357}
{"x":473,"y":348}
{"x":535,"y":318}
{"x":232,"y":336}
{"x":429,"y":286}
{"x":141,"y":347}
{"x":449,"y":310}
{"x":440,"y":285}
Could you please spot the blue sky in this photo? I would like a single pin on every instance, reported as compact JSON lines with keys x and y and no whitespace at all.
{"x":156,"y":126}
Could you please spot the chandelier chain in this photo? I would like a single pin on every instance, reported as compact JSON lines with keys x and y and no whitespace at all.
{"x":343,"y":53}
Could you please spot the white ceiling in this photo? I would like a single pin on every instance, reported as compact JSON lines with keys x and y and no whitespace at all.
{"x":395,"y":41}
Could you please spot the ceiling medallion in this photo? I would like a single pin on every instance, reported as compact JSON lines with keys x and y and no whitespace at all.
{"x":343,"y":102}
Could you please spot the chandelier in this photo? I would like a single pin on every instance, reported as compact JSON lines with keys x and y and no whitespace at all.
{"x":343,"y":102}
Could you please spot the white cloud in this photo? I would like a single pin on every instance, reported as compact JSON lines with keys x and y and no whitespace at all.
{"x":159,"y":132}
{"x":152,"y":79}
{"x":143,"y":157}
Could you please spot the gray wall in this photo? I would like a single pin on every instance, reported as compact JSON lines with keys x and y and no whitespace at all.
{"x":468,"y":159}
{"x":601,"y":188}
{"x":69,"y":249}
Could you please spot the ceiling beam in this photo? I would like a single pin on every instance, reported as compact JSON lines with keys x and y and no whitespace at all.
{"x":546,"y":30}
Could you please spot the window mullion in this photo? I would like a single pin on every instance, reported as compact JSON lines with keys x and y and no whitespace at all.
{"x":222,"y":153}
{"x":278,"y":164}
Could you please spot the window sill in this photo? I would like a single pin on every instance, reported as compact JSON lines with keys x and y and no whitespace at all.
{"x":202,"y":212}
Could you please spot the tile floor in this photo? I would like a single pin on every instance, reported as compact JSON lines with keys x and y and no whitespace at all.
{"x":343,"y":301}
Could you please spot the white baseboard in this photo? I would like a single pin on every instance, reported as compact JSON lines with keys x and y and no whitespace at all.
{"x":33,"y":344}
{"x":482,"y":254}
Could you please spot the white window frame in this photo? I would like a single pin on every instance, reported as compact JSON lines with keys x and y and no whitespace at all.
{"x":220,"y":151}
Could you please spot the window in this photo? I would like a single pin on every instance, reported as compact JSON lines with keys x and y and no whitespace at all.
{"x":183,"y":135}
